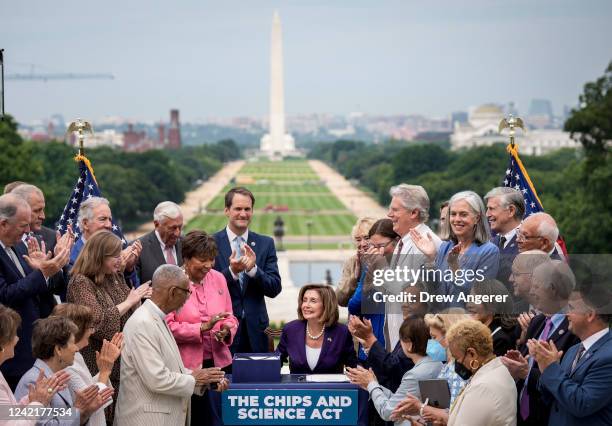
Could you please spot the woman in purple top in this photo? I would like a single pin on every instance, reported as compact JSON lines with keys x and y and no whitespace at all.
{"x":316,"y":343}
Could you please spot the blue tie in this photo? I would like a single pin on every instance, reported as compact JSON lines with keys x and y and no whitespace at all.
{"x":241,"y":276}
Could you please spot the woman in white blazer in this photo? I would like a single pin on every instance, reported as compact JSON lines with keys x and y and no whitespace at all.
{"x":44,"y":388}
{"x":489,"y":397}
{"x":80,"y":376}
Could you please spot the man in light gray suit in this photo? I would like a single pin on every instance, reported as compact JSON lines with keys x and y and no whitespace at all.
{"x":156,"y":387}
{"x":163,"y":244}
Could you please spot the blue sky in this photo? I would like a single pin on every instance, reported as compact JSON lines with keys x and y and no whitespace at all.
{"x":211,"y":58}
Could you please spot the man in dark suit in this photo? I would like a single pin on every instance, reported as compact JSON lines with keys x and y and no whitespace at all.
{"x":539,"y":232}
{"x":505,"y":210}
{"x":249,"y":263}
{"x":552,"y":284}
{"x":163,"y":244}
{"x":577,"y":385}
{"x":36,"y":199}
{"x":24,"y":276}
{"x":521,"y":276}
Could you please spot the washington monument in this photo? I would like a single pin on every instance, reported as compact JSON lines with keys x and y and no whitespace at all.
{"x":277,"y":143}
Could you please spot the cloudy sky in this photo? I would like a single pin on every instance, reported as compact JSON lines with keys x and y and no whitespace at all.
{"x":211,"y":58}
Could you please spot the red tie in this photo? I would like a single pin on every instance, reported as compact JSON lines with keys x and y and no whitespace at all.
{"x":170,"y":255}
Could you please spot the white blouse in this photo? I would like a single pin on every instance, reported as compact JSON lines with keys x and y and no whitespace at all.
{"x":312,"y":356}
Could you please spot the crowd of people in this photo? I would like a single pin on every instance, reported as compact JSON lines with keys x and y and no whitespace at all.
{"x":145,"y":333}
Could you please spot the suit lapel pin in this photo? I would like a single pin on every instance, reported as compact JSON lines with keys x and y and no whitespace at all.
{"x":329,"y":339}
{"x":252,"y":243}
{"x":561,"y":332}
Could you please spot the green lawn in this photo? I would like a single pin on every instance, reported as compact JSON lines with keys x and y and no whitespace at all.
{"x":293,"y":184}
{"x":293,"y":201}
{"x":295,"y":224}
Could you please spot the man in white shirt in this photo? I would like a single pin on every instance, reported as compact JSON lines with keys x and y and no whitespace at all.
{"x":409,"y":209}
{"x":163,"y":244}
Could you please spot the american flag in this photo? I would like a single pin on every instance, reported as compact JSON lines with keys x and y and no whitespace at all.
{"x":86,"y":187}
{"x":517,"y":177}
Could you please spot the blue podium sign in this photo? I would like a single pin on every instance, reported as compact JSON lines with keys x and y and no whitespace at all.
{"x":289,"y":407}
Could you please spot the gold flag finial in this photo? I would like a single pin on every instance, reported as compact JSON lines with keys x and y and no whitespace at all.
{"x":80,"y":126}
{"x":511,"y":123}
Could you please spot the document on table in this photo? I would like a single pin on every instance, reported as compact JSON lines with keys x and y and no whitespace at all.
{"x":321,"y":378}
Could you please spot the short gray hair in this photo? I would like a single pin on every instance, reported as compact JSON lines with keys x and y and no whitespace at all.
{"x":26,"y":190}
{"x":166,"y":210}
{"x":482,"y":233}
{"x":166,"y":275}
{"x":87,"y":208}
{"x":558,"y":277}
{"x":412,"y":197}
{"x":531,"y":259}
{"x":508,"y":197}
{"x":9,"y":204}
{"x":547,"y":227}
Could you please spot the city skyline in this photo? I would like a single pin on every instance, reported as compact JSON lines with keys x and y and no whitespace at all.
{"x":210,"y":60}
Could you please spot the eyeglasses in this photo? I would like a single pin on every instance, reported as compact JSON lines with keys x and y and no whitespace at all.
{"x":522,"y":237}
{"x":186,"y":290}
{"x":382,"y":245}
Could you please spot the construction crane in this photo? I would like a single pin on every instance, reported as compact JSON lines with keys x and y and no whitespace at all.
{"x":58,"y":76}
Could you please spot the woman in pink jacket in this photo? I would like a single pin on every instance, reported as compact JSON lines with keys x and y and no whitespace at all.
{"x":205,"y":326}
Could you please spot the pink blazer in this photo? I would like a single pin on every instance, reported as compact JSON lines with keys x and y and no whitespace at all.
{"x":7,"y":398}
{"x":207,"y":299}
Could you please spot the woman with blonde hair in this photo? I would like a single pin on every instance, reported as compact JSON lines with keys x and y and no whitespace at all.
{"x":352,"y":270}
{"x":438,"y":326}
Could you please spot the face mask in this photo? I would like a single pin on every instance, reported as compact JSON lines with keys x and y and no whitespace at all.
{"x":462,"y":371}
{"x":436,"y":351}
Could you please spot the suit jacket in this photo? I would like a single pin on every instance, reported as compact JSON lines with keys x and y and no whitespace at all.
{"x":249,"y":304}
{"x":31,"y":298}
{"x":503,"y":339}
{"x":156,"y":388}
{"x":7,"y":398}
{"x":488,"y":398}
{"x":389,"y":367}
{"x":506,"y":257}
{"x":62,"y":399}
{"x":152,"y":256}
{"x":581,"y":397}
{"x":58,"y":283}
{"x":563,"y":339}
{"x":207,"y":299}
{"x":337,"y":350}
{"x":48,"y":236}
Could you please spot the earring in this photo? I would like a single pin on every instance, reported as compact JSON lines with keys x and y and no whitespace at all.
{"x":472,"y":364}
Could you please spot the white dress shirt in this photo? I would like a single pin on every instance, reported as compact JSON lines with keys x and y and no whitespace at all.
{"x":245,"y":237}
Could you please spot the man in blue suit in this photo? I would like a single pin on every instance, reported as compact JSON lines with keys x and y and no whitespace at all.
{"x":578,"y":387}
{"x":249,"y":263}
{"x":24,"y":279}
{"x":505,"y":210}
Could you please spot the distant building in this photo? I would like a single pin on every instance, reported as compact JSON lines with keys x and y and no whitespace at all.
{"x":482,"y":130}
{"x":174,"y":131}
{"x":107,"y":137}
{"x":460,"y":117}
{"x":540,"y":114}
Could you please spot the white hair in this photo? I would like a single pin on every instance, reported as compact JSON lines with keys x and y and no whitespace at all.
{"x":166,"y":275}
{"x":412,"y":197}
{"x":557,"y":276}
{"x":481,"y":233}
{"x":10,"y":204}
{"x":87,"y":208}
{"x":166,"y":210}
{"x":508,"y":197}
{"x":547,"y":227}
{"x":26,"y":190}
{"x":364,"y":222}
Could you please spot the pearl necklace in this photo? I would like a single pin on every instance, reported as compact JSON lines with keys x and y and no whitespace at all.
{"x":318,"y":336}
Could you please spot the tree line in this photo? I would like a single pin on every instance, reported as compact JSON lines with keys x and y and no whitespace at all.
{"x":573,"y":185}
{"x":134,"y":183}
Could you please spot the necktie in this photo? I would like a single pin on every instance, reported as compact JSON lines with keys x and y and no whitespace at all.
{"x":581,"y":351}
{"x":397,"y":255}
{"x":170,"y":259}
{"x":502,"y":242}
{"x":524,"y":403}
{"x":238,"y":241}
{"x":15,"y":259}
